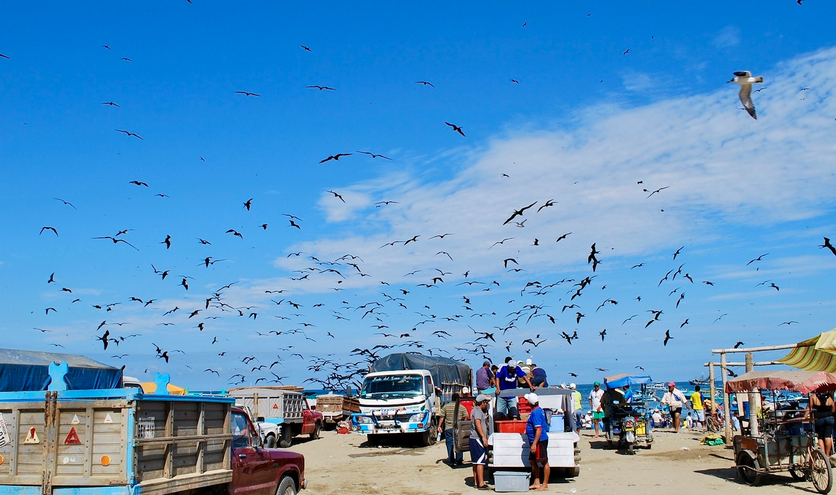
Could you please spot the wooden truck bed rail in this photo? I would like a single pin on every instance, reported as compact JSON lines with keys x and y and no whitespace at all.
{"x":65,"y":439}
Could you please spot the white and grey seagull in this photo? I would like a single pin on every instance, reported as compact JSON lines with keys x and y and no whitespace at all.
{"x":745,"y":80}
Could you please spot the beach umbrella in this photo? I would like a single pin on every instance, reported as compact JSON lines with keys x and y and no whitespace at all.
{"x":815,"y":354}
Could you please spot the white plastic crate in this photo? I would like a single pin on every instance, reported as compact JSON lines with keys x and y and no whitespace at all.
{"x":511,"y":481}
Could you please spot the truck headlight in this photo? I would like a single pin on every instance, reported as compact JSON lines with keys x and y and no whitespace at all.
{"x":362,"y":420}
{"x":417,"y":417}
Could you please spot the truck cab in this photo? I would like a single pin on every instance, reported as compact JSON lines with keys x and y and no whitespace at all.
{"x":260,"y":471}
{"x":398,"y":402}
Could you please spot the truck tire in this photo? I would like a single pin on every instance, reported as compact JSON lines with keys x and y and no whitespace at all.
{"x":287,"y":486}
{"x":270,"y":441}
{"x":316,"y":431}
{"x":286,"y":437}
{"x":428,"y":437}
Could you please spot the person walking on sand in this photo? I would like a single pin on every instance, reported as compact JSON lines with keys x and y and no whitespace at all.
{"x":595,"y":397}
{"x":480,"y":430}
{"x":536,"y":429}
{"x":445,"y":425}
{"x":698,"y":407}
{"x":674,"y":399}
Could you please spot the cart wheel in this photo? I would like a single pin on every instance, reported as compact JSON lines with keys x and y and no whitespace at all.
{"x":820,"y":472}
{"x":748,"y":467}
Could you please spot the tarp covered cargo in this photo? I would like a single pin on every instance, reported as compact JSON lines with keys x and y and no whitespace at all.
{"x":443,"y":370}
{"x":23,"y":371}
{"x":618,"y":381}
{"x":792,"y":380}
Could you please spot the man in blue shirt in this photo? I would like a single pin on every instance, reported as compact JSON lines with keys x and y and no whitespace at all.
{"x":537,"y":431}
{"x":506,"y":379}
{"x":538,"y":376}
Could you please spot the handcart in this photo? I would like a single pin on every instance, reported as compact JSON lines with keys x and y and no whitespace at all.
{"x":787,"y":440}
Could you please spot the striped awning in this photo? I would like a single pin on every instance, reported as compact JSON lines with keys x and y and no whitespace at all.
{"x":816,"y":354}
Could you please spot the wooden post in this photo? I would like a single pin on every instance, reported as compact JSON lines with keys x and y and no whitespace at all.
{"x":712,"y":387}
{"x":754,"y":399}
{"x":726,"y":403}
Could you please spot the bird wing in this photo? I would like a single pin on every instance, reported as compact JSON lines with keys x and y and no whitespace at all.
{"x":746,"y":98}
{"x":743,"y":73}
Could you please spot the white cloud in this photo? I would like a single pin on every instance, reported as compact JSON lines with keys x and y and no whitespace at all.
{"x":728,"y":37}
{"x":719,"y":168}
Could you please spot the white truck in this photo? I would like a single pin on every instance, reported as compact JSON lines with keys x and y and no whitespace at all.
{"x":281,"y":413}
{"x":402,"y":395}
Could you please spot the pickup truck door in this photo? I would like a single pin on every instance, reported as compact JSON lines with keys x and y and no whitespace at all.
{"x":252,"y":472}
{"x":308,"y":422}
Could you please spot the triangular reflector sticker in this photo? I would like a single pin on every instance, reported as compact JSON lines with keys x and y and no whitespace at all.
{"x":108,"y":419}
{"x":32,"y":437}
{"x":75,"y":420}
{"x":72,"y":438}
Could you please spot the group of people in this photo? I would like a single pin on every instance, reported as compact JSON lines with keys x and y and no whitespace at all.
{"x":490,"y":382}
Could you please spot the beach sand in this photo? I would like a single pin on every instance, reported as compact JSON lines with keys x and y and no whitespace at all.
{"x":677,"y":463}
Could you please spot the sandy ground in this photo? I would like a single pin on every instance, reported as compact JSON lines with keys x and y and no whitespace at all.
{"x":677,"y":463}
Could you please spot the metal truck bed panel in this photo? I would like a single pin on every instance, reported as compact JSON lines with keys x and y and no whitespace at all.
{"x":271,"y":404}
{"x":122,"y":442}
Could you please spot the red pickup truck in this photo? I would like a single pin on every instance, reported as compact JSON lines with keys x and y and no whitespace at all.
{"x":260,"y":471}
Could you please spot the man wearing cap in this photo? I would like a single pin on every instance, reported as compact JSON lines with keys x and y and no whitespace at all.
{"x":506,"y":379}
{"x":577,"y":399}
{"x":536,"y":429}
{"x":484,"y":377}
{"x":674,"y":399}
{"x":445,"y":425}
{"x":480,"y":429}
{"x":595,"y":403}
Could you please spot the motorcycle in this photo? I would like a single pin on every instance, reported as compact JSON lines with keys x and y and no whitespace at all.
{"x":626,"y":422}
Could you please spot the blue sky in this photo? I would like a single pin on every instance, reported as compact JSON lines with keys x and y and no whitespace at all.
{"x":553,"y":107}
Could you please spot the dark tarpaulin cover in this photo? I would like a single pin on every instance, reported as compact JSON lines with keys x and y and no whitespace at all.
{"x":443,"y":370}
{"x":24,"y":371}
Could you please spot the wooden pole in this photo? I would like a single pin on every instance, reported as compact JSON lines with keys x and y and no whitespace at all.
{"x":726,"y":405}
{"x":712,"y":388}
{"x":754,"y":398}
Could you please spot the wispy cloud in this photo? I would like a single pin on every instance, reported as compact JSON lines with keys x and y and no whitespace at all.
{"x":728,"y":37}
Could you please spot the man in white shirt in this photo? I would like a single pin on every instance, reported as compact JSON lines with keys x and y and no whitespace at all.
{"x":675,"y":399}
{"x":595,"y":403}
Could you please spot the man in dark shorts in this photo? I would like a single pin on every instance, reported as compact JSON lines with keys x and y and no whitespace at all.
{"x":537,"y":431}
{"x":480,"y":430}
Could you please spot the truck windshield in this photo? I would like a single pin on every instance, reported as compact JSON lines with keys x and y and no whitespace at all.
{"x":393,"y":386}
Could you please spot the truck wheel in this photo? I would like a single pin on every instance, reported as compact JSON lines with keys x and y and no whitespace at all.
{"x":270,"y":441}
{"x":428,"y":437}
{"x":286,"y":437}
{"x":287,"y":486}
{"x":315,"y":432}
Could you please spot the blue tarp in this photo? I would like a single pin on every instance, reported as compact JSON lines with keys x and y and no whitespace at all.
{"x":22,"y":371}
{"x":618,"y":381}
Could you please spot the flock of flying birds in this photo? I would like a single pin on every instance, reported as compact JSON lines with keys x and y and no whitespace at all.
{"x":505,"y":332}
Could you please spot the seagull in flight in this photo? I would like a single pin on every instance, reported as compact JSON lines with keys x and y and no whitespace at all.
{"x":456,"y":128}
{"x":246,"y":93}
{"x":129,"y":134}
{"x":745,"y":80}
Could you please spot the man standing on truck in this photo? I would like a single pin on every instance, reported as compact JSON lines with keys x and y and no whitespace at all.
{"x":506,"y":379}
{"x":484,"y":377}
{"x":448,"y":415}
{"x":536,"y":429}
{"x":480,"y":430}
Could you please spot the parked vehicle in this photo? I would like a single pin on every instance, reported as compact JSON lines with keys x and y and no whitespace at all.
{"x":402,"y":395}
{"x":627,"y":424}
{"x":336,"y":408}
{"x":121,"y":441}
{"x":786,"y":439}
{"x":281,"y":413}
{"x":510,"y":449}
